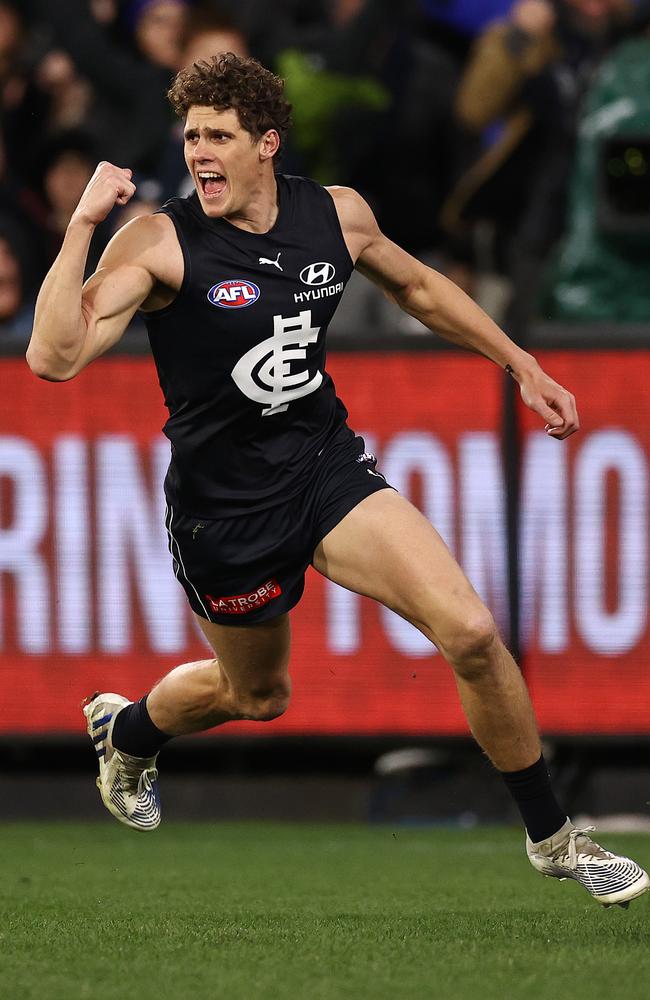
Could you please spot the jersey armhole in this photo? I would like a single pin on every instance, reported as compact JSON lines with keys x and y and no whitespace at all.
{"x":336,"y":224}
{"x":187,"y":270}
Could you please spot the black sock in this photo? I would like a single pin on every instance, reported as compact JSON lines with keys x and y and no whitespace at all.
{"x":135,"y":733}
{"x":531,"y":790}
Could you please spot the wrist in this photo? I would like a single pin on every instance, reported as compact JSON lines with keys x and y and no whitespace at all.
{"x":81,"y":223}
{"x":521,"y":365}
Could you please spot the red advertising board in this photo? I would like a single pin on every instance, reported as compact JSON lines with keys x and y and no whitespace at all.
{"x":584,"y":549}
{"x":88,"y":598}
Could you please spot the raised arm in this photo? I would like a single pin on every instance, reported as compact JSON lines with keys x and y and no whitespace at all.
{"x":73,"y":322}
{"x":446,"y":310}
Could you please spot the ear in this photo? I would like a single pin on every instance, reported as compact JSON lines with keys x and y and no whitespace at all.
{"x":269,"y":144}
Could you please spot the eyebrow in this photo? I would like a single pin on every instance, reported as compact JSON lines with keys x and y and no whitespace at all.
{"x":193,"y":129}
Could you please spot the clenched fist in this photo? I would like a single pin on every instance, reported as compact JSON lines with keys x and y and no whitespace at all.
{"x":108,"y":186}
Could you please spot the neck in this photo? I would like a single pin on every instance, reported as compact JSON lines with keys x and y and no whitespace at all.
{"x":260,"y":213}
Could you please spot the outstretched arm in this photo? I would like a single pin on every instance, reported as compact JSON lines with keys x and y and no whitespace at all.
{"x":446,"y":310}
{"x":73,"y":322}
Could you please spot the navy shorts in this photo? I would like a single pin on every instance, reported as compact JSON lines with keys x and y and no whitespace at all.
{"x":250,"y":568}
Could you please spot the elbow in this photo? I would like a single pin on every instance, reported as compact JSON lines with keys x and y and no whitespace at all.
{"x":412,"y":298}
{"x":43,"y":367}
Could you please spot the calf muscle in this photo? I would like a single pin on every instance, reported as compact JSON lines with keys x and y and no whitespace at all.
{"x":247,"y":679}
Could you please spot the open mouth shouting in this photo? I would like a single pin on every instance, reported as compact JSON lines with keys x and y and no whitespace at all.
{"x":212,"y":183}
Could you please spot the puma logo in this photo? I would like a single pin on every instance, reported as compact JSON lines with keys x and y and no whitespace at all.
{"x":273,"y":263}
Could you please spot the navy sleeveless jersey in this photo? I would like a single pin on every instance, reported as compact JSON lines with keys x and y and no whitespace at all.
{"x":240,"y":352}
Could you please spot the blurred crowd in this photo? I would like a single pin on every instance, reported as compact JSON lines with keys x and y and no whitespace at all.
{"x":456,"y":119}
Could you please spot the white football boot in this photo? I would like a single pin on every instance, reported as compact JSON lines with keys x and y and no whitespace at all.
{"x":128,"y":785}
{"x":571,"y":853}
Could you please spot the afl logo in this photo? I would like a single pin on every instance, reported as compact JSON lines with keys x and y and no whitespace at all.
{"x":317,"y":274}
{"x":233,"y":294}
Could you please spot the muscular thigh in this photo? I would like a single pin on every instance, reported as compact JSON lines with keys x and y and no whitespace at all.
{"x":254,"y":655}
{"x":386,"y":549}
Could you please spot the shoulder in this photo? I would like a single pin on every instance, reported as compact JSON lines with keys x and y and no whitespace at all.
{"x":374,"y":255}
{"x":352,"y":209}
{"x":356,"y":218}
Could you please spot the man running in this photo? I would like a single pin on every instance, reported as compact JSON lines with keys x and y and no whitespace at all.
{"x":237,"y":284}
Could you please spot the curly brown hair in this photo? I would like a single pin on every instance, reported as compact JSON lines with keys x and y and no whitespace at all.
{"x":228,"y":81}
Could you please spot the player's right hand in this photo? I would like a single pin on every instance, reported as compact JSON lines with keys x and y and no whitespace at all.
{"x":108,"y":186}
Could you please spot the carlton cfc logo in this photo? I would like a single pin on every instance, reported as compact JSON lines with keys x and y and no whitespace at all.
{"x":233,"y":294}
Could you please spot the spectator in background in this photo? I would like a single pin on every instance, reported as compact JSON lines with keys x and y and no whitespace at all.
{"x":11,"y":40}
{"x":66,"y":163}
{"x":127,"y":64}
{"x":207,"y":32}
{"x":42,"y":92}
{"x":600,"y":273}
{"x":453,"y":24}
{"x":16,"y":304}
{"x":23,"y":263}
{"x":13,"y":79}
{"x":11,"y":290}
{"x":69,"y":95}
{"x":520,"y":93}
{"x":69,"y":165}
{"x":372,"y":105}
{"x":332,"y":67}
{"x":18,"y":227}
{"x":54,"y":98}
{"x":105,"y":11}
{"x":157,"y":28}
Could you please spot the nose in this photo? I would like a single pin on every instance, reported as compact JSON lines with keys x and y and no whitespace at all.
{"x":202,"y":149}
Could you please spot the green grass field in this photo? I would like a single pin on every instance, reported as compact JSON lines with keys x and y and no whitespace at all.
{"x":269,"y":911}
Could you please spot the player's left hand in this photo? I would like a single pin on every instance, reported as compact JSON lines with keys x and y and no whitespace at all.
{"x":554,"y":404}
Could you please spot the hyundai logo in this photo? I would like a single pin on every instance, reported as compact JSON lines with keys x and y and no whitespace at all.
{"x":317,"y":274}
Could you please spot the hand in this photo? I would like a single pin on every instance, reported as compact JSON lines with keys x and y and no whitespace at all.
{"x":108,"y":186}
{"x":553,"y":403}
{"x":535,"y":17}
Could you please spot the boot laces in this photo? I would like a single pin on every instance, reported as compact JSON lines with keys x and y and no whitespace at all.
{"x":131,"y":772}
{"x":573,"y":850}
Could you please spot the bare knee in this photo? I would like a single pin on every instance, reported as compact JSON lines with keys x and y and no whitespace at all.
{"x":471,"y":644}
{"x":263,"y":703}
